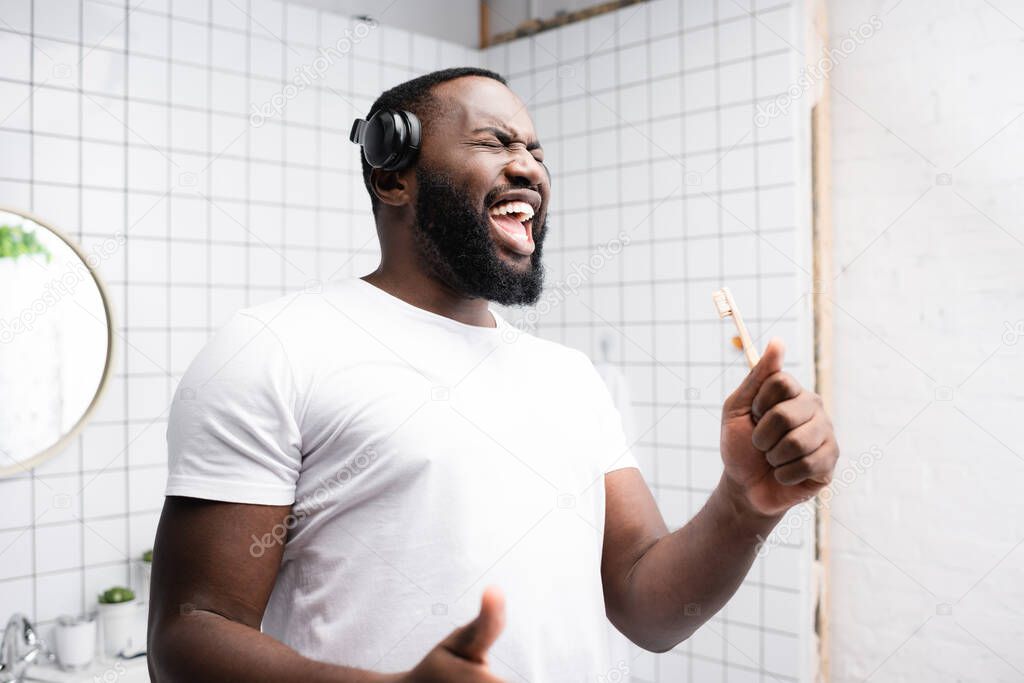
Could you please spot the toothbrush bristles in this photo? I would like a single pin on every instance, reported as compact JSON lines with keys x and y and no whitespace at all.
{"x":722,"y":302}
{"x":726,"y":307}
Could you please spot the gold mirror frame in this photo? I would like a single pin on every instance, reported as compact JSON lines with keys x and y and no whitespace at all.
{"x":108,"y":365}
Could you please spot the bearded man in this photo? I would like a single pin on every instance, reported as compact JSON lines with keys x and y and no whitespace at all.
{"x":386,"y":481}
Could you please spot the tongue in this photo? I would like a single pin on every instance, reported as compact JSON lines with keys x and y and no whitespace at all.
{"x":510,"y":225}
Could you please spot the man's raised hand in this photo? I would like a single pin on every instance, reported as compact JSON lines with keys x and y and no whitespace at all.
{"x":778,"y":445}
{"x":462,"y":656}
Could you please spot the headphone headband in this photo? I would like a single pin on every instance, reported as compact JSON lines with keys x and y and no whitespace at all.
{"x":390,"y":138}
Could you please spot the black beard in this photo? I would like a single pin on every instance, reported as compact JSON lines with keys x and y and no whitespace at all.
{"x":454,"y":238}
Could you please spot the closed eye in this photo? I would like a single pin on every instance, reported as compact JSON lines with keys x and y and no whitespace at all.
{"x":502,"y":141}
{"x":504,"y":138}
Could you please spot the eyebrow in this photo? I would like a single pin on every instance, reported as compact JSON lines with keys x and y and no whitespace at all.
{"x":505,"y":135}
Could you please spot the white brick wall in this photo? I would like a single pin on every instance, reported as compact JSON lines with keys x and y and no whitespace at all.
{"x":928,"y":544}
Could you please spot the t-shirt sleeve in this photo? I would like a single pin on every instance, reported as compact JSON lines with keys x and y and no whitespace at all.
{"x":616,"y":452}
{"x":232,"y":434}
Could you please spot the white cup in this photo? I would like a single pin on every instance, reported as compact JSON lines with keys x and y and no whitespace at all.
{"x":117,"y":622}
{"x":75,"y":641}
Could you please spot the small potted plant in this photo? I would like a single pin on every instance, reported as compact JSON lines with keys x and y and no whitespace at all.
{"x":118,"y":609}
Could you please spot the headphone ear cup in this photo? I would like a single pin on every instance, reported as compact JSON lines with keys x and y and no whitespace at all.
{"x":378,"y":139}
{"x":391,"y":139}
{"x":410,"y":143}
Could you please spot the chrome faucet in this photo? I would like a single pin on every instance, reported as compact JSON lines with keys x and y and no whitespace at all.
{"x":19,"y":649}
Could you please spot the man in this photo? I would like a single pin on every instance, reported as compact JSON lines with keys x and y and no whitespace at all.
{"x":350,"y":468}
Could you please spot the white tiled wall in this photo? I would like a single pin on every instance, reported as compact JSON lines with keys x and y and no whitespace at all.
{"x":647,"y":116}
{"x":137,"y":120}
{"x":134,"y":118}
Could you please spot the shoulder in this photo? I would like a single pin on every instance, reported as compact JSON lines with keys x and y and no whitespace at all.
{"x":304,"y":315}
{"x":279,"y":313}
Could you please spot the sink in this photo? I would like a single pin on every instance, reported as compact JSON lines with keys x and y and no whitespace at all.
{"x":103,"y":669}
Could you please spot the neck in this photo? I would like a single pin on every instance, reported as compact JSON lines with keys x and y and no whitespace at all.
{"x":411,"y":284}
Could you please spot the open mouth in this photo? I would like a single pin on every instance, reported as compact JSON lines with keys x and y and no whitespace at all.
{"x":513,"y":225}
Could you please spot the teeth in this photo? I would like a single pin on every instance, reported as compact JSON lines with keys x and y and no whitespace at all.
{"x":513,"y":207}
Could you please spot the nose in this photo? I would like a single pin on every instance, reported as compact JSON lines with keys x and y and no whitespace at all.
{"x":524,"y":170}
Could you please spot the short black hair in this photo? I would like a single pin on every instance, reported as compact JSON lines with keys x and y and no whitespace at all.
{"x":415,"y":96}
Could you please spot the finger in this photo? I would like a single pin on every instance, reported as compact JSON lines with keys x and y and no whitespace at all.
{"x":458,"y":669}
{"x":780,"y":387}
{"x":739,"y":401}
{"x":817,"y":466}
{"x":800,"y":442}
{"x":781,"y":419}
{"x":473,"y":640}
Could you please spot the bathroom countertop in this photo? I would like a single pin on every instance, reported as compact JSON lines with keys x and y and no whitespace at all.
{"x":102,"y":669}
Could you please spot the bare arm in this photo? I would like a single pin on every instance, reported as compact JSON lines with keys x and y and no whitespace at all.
{"x":208,"y":595}
{"x":209,"y":591}
{"x":778,"y":449}
{"x":660,"y":587}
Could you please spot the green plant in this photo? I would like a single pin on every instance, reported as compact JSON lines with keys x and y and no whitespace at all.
{"x":117,"y":594}
{"x":148,"y":556}
{"x":15,"y":242}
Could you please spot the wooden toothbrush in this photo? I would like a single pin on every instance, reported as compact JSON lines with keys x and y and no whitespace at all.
{"x":726,"y":307}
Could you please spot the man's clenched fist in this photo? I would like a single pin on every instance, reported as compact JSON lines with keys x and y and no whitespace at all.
{"x":778,"y":445}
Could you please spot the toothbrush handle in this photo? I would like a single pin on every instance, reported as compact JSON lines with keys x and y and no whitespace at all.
{"x":748,"y":345}
{"x":753,"y":357}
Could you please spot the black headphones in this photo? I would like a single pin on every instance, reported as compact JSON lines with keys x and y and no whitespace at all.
{"x":390,"y":139}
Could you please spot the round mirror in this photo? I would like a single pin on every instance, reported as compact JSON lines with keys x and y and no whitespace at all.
{"x":56,"y":340}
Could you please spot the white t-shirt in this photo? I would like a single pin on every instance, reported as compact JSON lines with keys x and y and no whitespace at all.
{"x":426,"y":459}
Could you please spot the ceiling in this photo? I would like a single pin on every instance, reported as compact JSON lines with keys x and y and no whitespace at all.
{"x":455,"y":20}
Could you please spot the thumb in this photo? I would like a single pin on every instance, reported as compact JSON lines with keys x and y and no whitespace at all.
{"x":740,"y":400}
{"x":473,"y":640}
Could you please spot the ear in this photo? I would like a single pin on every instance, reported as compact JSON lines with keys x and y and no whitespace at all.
{"x":393,"y":187}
